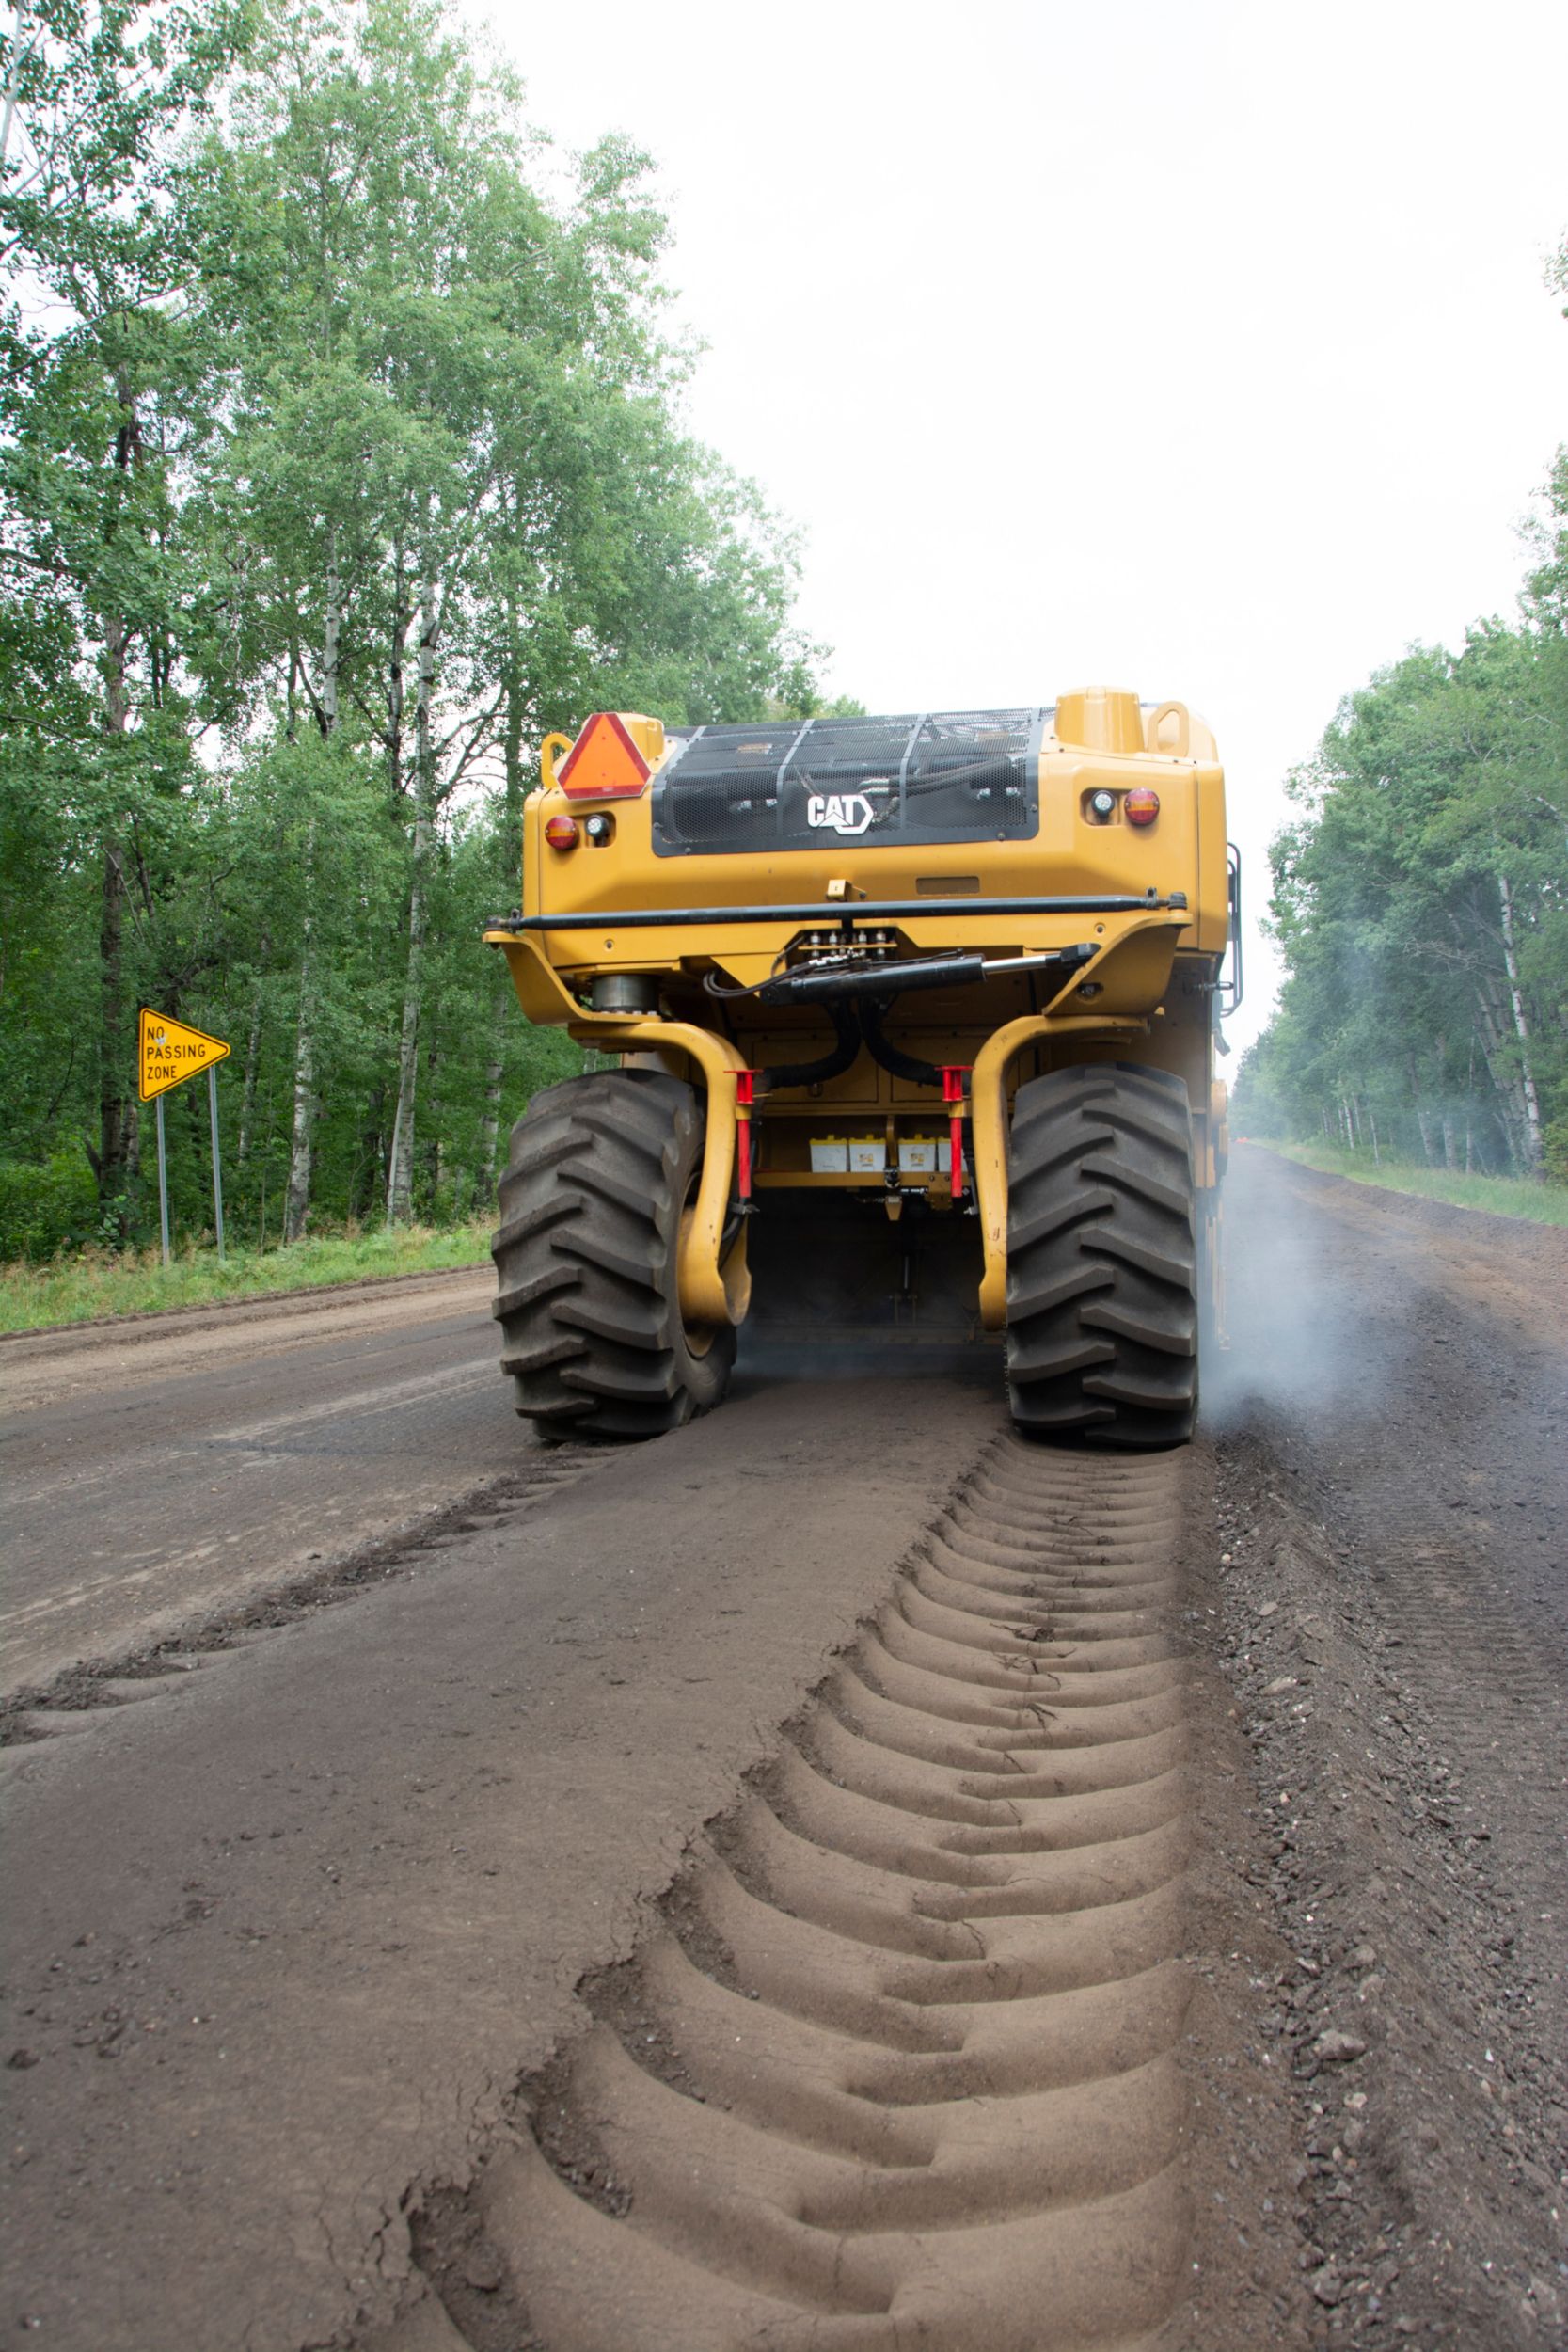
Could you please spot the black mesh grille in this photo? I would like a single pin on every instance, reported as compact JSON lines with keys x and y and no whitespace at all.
{"x":952,"y":775}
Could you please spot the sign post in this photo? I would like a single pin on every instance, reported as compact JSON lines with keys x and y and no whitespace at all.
{"x":217,"y":1165}
{"x":169,"y":1053}
{"x":163,"y":1182}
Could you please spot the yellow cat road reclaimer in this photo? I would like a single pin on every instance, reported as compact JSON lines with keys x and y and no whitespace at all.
{"x":911,"y":1025}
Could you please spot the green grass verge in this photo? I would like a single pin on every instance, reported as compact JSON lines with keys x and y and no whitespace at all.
{"x":1504,"y":1196}
{"x":103,"y":1282}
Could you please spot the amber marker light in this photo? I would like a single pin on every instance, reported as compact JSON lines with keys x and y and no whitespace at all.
{"x":561,"y":831}
{"x":1141,"y":806}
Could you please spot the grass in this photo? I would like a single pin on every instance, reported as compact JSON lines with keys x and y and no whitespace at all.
{"x":1504,"y":1196}
{"x":98,"y":1282}
{"x":105,"y":1282}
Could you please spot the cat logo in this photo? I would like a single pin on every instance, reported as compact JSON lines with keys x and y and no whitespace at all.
{"x":840,"y":812}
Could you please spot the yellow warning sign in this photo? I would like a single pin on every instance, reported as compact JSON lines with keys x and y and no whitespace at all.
{"x":169,"y":1053}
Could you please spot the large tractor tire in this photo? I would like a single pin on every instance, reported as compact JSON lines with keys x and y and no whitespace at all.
{"x":1102,"y":1311}
{"x":599,"y":1173}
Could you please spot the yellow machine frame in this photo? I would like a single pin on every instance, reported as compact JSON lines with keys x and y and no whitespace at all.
{"x":1153,"y":902}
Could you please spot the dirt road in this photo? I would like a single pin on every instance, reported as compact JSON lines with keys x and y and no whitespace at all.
{"x":1383,"y":1877}
{"x":732,"y":1892}
{"x":173,"y":1465}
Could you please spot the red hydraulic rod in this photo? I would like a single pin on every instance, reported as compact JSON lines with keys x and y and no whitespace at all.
{"x":953,"y":1089}
{"x":745,"y":1088}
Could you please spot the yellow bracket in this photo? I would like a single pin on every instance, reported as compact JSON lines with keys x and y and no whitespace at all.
{"x":988,"y":1096}
{"x":711,"y":1290}
{"x":988,"y":1112}
{"x":552,"y":751}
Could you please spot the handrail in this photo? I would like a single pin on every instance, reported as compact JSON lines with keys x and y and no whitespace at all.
{"x":1233,"y":896}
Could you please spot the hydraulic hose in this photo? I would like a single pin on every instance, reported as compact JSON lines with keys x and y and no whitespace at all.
{"x":846,"y":1030}
{"x":891,"y":1057}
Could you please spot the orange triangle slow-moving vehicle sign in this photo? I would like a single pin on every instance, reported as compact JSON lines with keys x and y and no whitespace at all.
{"x":169,"y":1053}
{"x":604,"y":763}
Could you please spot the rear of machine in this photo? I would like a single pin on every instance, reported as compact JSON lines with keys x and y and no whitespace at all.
{"x":913,"y":1021}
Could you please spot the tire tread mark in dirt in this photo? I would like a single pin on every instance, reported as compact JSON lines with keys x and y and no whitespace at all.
{"x":1452,"y":1611}
{"x":69,"y":1700}
{"x":896,"y":2065}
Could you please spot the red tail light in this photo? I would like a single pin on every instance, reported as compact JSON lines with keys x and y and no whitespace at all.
{"x":561,"y":831}
{"x":1141,"y":806}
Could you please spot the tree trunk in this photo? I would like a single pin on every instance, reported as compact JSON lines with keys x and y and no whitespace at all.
{"x":1495,"y":1053}
{"x":331,"y":629}
{"x":512,"y":755}
{"x":503,"y":1003}
{"x":362,"y":1198}
{"x":296,"y":1201}
{"x":110,"y":1159}
{"x":433,"y":1161}
{"x":400,"y":1169}
{"x":1414,"y":1074}
{"x":490,"y":1125}
{"x":252,"y":1055}
{"x":13,"y":75}
{"x":400,"y":1162}
{"x":1521,"y":1030}
{"x":401,"y":617}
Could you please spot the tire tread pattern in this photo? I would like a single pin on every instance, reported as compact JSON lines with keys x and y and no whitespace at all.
{"x":591,"y":1203}
{"x":1103,"y":1314}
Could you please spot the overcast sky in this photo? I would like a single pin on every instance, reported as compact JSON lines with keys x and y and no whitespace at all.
{"x":1199,"y":348}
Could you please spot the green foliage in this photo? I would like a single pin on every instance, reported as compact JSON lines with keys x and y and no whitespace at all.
{"x":1420,"y":901}
{"x":47,"y":1208}
{"x":339,"y":459}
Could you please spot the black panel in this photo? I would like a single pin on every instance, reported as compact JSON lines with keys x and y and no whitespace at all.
{"x":959,"y":775}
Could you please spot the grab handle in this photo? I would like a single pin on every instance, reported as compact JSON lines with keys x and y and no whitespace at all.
{"x":1185,"y":729}
{"x":550,"y":751}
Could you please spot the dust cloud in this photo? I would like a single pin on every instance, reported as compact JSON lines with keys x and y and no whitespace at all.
{"x":1300,"y":1339}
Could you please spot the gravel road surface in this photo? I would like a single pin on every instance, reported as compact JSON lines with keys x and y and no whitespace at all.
{"x":580,"y":1900}
{"x":172,"y":1464}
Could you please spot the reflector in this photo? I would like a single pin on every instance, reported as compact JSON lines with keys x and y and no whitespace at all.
{"x":604,"y":764}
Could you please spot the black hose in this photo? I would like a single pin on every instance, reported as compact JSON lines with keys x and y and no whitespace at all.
{"x":847,"y":1030}
{"x":893,"y":1059}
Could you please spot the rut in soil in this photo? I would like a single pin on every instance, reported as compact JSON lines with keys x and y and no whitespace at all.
{"x":898,"y":2063}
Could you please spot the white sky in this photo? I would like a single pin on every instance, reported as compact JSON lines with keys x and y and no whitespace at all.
{"x":1201,"y":349}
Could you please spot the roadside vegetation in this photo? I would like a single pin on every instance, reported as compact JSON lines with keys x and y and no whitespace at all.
{"x":1544,"y":1203}
{"x":341,"y":456}
{"x":95,"y":1281}
{"x":1421,"y":904}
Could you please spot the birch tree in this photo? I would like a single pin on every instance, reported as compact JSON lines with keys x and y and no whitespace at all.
{"x":105,"y":375}
{"x":1421,"y":903}
{"x":341,"y":461}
